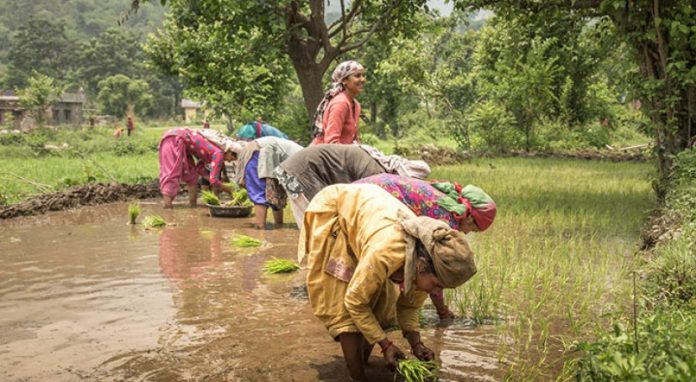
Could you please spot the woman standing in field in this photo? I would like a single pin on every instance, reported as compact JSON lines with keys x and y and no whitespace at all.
{"x":336,"y":118}
{"x":254,"y":171}
{"x":177,"y":150}
{"x":371,"y":264}
{"x":466,"y":209}
{"x":318,"y":166}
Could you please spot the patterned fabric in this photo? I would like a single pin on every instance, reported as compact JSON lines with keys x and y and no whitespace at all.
{"x":417,"y":194}
{"x":342,"y":71}
{"x":204,"y":151}
{"x":468,"y":200}
{"x":275,"y":194}
{"x":262,"y":191}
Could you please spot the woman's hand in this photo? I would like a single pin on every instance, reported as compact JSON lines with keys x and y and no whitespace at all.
{"x":422,"y":352}
{"x":392,"y":354}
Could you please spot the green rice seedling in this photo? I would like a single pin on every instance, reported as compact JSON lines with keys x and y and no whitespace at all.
{"x":245,"y":241}
{"x":154,"y":221}
{"x":209,"y":197}
{"x":276,"y":265}
{"x":413,"y":370}
{"x":133,"y":212}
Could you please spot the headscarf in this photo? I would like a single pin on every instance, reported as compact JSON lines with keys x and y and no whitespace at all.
{"x":469,"y":200}
{"x":221,"y":140}
{"x":342,"y":71}
{"x":449,"y":251}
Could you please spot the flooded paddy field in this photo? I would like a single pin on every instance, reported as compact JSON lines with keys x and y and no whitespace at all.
{"x":86,"y":297}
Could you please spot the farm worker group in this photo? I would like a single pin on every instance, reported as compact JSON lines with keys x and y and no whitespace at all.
{"x":376,"y":237}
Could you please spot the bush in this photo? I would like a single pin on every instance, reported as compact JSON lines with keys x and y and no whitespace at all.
{"x":494,"y":125}
{"x":11,"y":139}
{"x":666,"y":347}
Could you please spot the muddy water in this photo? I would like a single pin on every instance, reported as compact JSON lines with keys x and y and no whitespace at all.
{"x":85,"y":297}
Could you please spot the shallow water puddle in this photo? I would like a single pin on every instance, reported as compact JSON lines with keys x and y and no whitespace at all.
{"x":84,"y":296}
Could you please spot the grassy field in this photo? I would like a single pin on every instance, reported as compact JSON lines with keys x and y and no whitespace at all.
{"x":557,"y":262}
{"x":553,"y":269}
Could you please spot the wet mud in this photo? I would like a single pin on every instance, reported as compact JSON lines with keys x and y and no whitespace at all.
{"x":85,"y":195}
{"x":86,"y":297}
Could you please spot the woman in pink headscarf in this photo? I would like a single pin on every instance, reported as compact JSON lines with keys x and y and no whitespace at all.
{"x":336,"y":118}
{"x":466,"y":209}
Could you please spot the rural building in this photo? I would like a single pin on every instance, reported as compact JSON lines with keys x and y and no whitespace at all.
{"x":67,"y":110}
{"x":191,"y":108}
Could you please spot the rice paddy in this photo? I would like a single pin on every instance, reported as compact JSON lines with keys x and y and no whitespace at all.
{"x":557,"y":261}
{"x":276,"y":265}
{"x":154,"y":221}
{"x":244,"y":241}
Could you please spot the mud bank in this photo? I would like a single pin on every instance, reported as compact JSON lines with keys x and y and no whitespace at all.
{"x":85,"y":195}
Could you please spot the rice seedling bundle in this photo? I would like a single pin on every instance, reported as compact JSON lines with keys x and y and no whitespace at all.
{"x":133,"y":212}
{"x":154,"y":221}
{"x":210,"y":198}
{"x":276,"y":265}
{"x":413,"y":370}
{"x":245,"y":241}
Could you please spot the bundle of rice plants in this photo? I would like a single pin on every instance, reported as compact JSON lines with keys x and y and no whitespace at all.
{"x":276,"y":265}
{"x":152,"y":221}
{"x":413,"y":370}
{"x":210,"y":198}
{"x":245,"y":241}
{"x":133,"y":212}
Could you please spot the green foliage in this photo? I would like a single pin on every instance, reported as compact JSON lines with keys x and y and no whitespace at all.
{"x":115,"y":51}
{"x":495,"y":125}
{"x":41,"y":92}
{"x":41,"y":45}
{"x":664,"y":350}
{"x":276,"y":265}
{"x":119,"y":94}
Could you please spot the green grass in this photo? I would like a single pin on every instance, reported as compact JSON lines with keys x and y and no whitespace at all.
{"x":558,"y":257}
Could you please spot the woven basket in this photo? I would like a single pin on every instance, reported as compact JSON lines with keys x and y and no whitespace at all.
{"x":229,"y":211}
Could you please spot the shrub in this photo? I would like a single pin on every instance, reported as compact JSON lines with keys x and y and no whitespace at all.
{"x":664,"y":351}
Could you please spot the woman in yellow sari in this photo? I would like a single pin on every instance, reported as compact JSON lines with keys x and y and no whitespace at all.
{"x":371,"y":264}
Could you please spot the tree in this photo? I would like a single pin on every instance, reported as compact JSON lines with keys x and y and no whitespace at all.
{"x":40,"y":45}
{"x":295,"y":28}
{"x":664,"y":45}
{"x":120,"y":95}
{"x":40,"y":93}
{"x":113,"y":52}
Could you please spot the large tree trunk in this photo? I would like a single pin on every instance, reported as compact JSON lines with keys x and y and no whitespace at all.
{"x":309,"y":75}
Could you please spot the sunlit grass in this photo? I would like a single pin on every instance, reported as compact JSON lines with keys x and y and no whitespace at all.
{"x":557,"y":260}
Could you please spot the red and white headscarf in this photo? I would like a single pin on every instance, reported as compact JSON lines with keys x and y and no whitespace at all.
{"x":342,"y":71}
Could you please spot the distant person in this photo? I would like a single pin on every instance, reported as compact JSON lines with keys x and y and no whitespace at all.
{"x":336,"y":117}
{"x":130,"y":125}
{"x":258,"y":129}
{"x":183,"y":156}
{"x":206,"y":124}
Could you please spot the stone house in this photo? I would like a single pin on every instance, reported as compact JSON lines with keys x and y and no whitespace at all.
{"x":191,"y":108}
{"x":67,"y":110}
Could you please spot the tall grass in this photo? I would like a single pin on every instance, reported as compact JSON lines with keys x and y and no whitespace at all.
{"x":558,"y":258}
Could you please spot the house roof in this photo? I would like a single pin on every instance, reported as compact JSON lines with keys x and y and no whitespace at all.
{"x":190,"y":104}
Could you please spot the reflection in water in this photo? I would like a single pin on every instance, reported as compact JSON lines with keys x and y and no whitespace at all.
{"x":91,"y":298}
